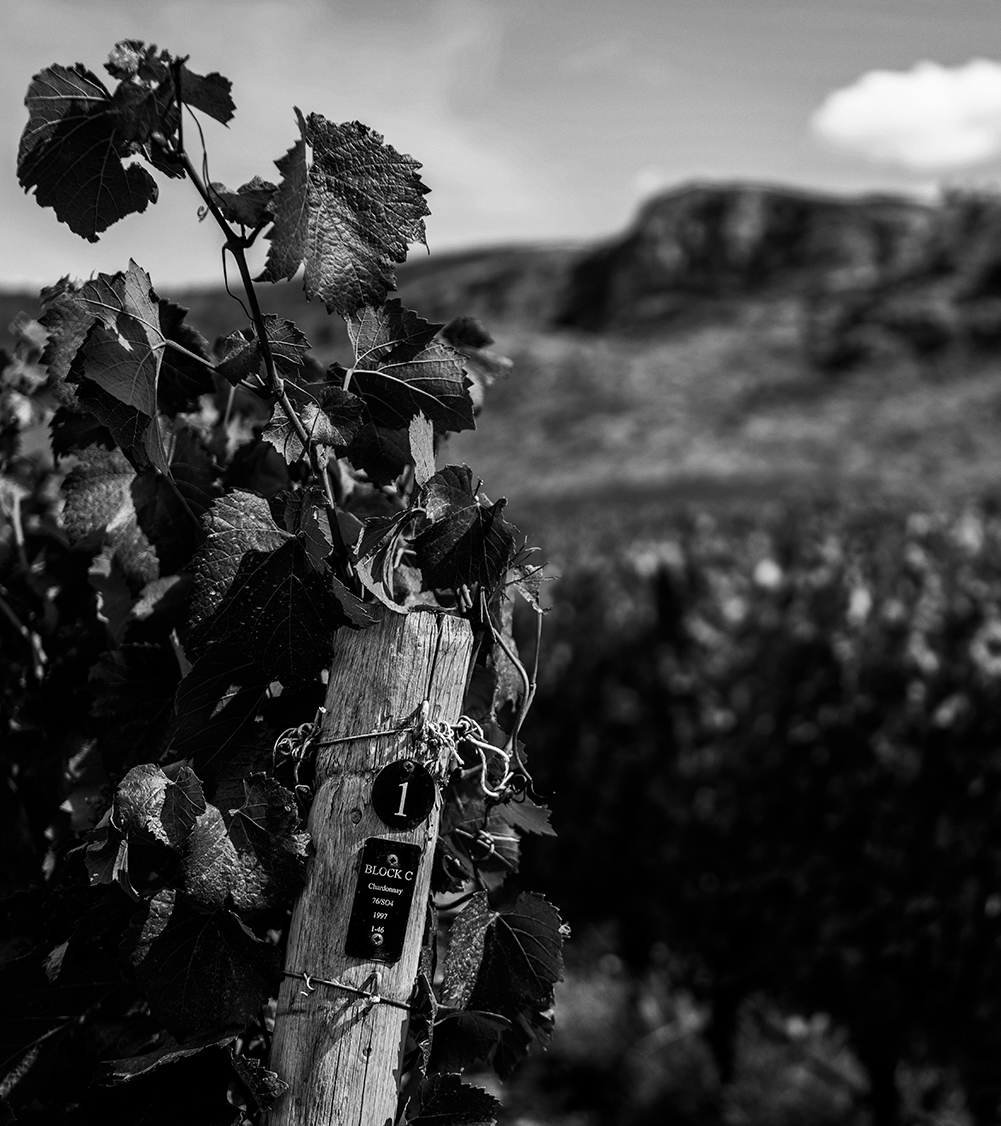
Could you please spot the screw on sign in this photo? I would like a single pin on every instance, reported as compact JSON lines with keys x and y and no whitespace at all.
{"x":403,"y":794}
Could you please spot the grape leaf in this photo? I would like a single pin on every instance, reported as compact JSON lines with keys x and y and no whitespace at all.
{"x":524,"y":814}
{"x":71,"y":153}
{"x":280,"y":605}
{"x":200,"y":971}
{"x":121,"y":354}
{"x":98,"y":495}
{"x":182,"y":378}
{"x":242,"y":356}
{"x":167,"y":1050}
{"x":301,"y":516}
{"x":216,"y":706}
{"x":466,"y":1039}
{"x":137,"y":434}
{"x":249,"y":205}
{"x":347,"y":214}
{"x":380,"y":452}
{"x":124,"y":354}
{"x":402,"y":369}
{"x":252,"y":860}
{"x":286,"y":612}
{"x":263,"y":1086}
{"x":74,"y":429}
{"x":444,"y":1100}
{"x":333,"y":421}
{"x":213,"y":874}
{"x":265,"y":827}
{"x":421,"y":435}
{"x":238,"y":522}
{"x":148,"y":802}
{"x":107,"y":857}
{"x":466,"y":542}
{"x":67,"y":321}
{"x":522,"y":958}
{"x":192,"y":470}
{"x":150,"y":74}
{"x":465,"y":951}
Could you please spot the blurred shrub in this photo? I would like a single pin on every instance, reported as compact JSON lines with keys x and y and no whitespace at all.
{"x":776,"y":747}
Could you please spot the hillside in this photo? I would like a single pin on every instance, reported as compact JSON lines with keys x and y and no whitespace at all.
{"x":737,"y":342}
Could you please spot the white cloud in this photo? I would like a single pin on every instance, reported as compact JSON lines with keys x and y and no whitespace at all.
{"x":929,"y":117}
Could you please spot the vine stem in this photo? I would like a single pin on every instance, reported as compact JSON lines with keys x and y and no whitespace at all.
{"x":236,"y":244}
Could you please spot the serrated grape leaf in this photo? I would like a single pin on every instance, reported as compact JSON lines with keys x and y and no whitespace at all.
{"x":380,"y":453}
{"x":73,"y":429}
{"x":98,"y":499}
{"x":124,"y":354}
{"x":182,"y":378}
{"x":215,"y":710}
{"x":213,"y":874}
{"x":464,"y":1040}
{"x":200,"y":971}
{"x":263,"y":1086}
{"x":67,"y":321}
{"x":243,"y":358}
{"x":278,"y":604}
{"x":209,"y":93}
{"x":133,"y":694}
{"x":249,"y":205}
{"x":237,"y":523}
{"x":161,"y":607}
{"x":302,"y":514}
{"x":252,"y":860}
{"x":257,"y":467}
{"x":347,"y":214}
{"x":528,"y":1028}
{"x":152,"y":73}
{"x":466,"y":542}
{"x":168,"y":509}
{"x":120,"y":355}
{"x":286,"y":611}
{"x":193,"y":471}
{"x":466,"y":943}
{"x":266,"y":828}
{"x":167,"y":1050}
{"x":107,"y":857}
{"x":402,"y":369}
{"x":524,"y":814}
{"x":137,"y":434}
{"x":522,"y":957}
{"x":421,"y":435}
{"x":332,"y":421}
{"x":148,"y":802}
{"x":444,"y":1100}
{"x":71,"y":153}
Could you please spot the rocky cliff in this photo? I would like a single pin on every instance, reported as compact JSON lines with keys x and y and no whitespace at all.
{"x":866,"y":274}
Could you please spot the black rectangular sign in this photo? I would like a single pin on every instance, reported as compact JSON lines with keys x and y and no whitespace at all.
{"x":383,"y":896}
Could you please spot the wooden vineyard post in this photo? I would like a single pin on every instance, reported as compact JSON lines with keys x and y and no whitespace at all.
{"x":340,"y":1053}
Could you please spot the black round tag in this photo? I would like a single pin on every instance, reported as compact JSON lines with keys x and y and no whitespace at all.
{"x":403,"y":794}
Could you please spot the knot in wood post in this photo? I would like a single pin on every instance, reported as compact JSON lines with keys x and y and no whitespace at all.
{"x":339,"y":1050}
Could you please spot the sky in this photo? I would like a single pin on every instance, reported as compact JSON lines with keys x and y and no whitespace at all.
{"x":535,"y":120}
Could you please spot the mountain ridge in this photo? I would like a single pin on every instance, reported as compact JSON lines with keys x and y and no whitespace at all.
{"x":736,"y":341}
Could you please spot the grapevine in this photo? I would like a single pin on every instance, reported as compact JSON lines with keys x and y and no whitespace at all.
{"x":172,"y":578}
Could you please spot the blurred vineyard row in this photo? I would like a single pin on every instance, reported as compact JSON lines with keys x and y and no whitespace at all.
{"x":774,"y":750}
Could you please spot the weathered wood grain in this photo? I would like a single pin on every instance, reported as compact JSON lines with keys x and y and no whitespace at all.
{"x":340,"y":1056}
